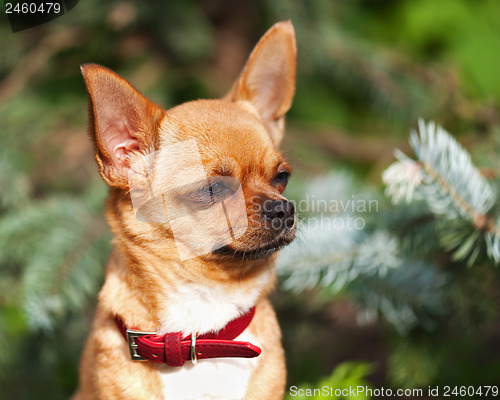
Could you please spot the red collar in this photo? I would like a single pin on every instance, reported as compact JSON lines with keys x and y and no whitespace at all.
{"x":174,"y":350}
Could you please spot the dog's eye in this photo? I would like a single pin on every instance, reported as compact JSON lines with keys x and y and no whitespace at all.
{"x":281,"y":178}
{"x":216,"y":188}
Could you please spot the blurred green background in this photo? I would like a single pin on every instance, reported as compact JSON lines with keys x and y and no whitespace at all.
{"x":367,"y":69}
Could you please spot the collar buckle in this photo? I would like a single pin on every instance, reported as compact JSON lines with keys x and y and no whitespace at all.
{"x":194,"y":357}
{"x":132,"y":345}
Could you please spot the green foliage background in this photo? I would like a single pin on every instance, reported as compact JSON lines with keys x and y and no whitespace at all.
{"x":367,"y":70}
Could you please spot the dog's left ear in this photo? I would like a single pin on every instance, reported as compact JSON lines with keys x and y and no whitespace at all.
{"x":268,"y":78}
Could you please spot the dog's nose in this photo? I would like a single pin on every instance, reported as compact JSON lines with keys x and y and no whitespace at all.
{"x":281,"y":213}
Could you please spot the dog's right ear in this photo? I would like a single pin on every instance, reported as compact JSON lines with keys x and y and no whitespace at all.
{"x":122,"y":122}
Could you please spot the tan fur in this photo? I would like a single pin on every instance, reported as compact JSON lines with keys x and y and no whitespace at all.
{"x":236,"y":136}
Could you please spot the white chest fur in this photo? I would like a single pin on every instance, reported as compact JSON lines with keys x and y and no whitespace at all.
{"x":199,"y":308}
{"x":205,"y":307}
{"x":215,"y":379}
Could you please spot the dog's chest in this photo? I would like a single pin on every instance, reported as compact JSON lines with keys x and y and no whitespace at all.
{"x":215,"y":379}
{"x":201,"y":308}
{"x":197,"y":308}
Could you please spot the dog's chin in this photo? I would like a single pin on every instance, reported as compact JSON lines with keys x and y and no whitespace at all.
{"x":254,"y":252}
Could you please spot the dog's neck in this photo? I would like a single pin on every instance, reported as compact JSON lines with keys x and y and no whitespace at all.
{"x":150,"y":288}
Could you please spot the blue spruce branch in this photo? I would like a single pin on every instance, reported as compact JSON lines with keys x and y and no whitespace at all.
{"x":371,"y":266}
{"x":446,"y":179}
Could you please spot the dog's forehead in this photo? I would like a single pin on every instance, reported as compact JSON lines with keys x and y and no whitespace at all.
{"x":221,"y":130}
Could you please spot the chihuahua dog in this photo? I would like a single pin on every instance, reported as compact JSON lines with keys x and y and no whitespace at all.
{"x":198,"y":216}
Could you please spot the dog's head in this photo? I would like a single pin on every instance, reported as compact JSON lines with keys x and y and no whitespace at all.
{"x":207,"y":173}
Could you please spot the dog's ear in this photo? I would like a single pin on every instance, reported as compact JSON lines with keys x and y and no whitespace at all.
{"x":268,"y":78}
{"x":122,"y":122}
